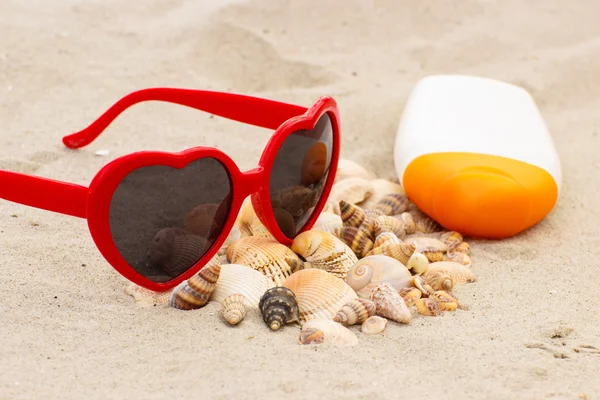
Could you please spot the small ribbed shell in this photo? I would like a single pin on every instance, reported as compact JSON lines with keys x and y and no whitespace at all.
{"x":355,"y":216}
{"x":427,"y":306}
{"x":325,"y":251}
{"x":387,"y":238}
{"x":408,"y":222}
{"x":438,"y":273}
{"x":386,"y":223}
{"x":329,"y":222}
{"x":427,"y":225}
{"x":175,"y":250}
{"x":278,"y":306}
{"x":400,"y":251}
{"x":372,"y":214}
{"x":445,"y":300}
{"x":357,"y":239}
{"x":381,"y":188}
{"x":234,"y":308}
{"x":257,"y":229}
{"x":356,"y":311}
{"x":271,"y":258}
{"x":417,"y":263}
{"x":457,"y":256}
{"x":373,"y":325}
{"x":196,"y":291}
{"x":351,"y":169}
{"x":463,"y":247}
{"x":392,"y":204}
{"x":200,"y":220}
{"x":352,"y":190}
{"x":147,"y":298}
{"x":410,"y":295}
{"x":320,"y":295}
{"x":369,"y":272}
{"x":326,"y":331}
{"x":451,"y":238}
{"x":389,"y":304}
{"x":237,"y":278}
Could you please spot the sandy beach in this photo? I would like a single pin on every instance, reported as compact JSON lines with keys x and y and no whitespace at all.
{"x":532,"y":327}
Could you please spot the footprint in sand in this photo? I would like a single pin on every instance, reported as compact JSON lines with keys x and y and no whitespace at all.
{"x":557,"y":342}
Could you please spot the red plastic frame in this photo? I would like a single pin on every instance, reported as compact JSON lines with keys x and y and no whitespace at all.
{"x":93,"y":203}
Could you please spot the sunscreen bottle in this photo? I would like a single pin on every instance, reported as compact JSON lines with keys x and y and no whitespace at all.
{"x":476,"y":156}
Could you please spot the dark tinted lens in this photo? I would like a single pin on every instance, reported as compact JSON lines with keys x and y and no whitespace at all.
{"x":164,"y":219}
{"x":299,"y":175}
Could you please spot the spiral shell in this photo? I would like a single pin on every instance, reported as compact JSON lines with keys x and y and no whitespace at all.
{"x":373,"y":325}
{"x":241,"y":279}
{"x":350,"y":169}
{"x":326,"y":331}
{"x":418,"y":263}
{"x":445,"y":300}
{"x":438,"y":279}
{"x":410,"y":295}
{"x":427,"y":306}
{"x":457,"y":256}
{"x":400,"y":251}
{"x":329,"y":222}
{"x":278,"y":306}
{"x":271,"y":258}
{"x":354,"y":216}
{"x":234,"y":308}
{"x":356,"y":311}
{"x":320,"y":295}
{"x":351,"y":190}
{"x":196,"y":291}
{"x":451,"y":238}
{"x":385,"y":238}
{"x":369,"y":272}
{"x":323,"y":250}
{"x":392,"y":204}
{"x":462,"y":247}
{"x":438,"y":274}
{"x":381,"y":187}
{"x":357,"y":239}
{"x":176,"y":250}
{"x":389,"y":304}
{"x":386,"y":223}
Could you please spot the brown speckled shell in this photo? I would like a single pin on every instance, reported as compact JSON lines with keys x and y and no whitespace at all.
{"x":392,"y":204}
{"x":427,"y":306}
{"x":356,"y":311}
{"x":278,"y":306}
{"x":196,"y":291}
{"x":399,"y":251}
{"x":357,"y":239}
{"x":386,"y":223}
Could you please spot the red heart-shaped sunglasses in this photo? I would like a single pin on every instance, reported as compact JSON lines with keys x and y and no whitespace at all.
{"x":159,"y":217}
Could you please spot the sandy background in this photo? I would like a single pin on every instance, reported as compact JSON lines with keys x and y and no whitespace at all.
{"x":69,"y":331}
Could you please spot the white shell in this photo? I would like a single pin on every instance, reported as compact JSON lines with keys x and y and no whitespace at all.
{"x":326,"y":331}
{"x":236,"y":278}
{"x":373,"y":325}
{"x":351,"y":190}
{"x":370,"y":271}
{"x":329,"y":222}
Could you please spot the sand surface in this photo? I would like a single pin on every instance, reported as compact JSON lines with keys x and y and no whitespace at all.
{"x":532,"y":330}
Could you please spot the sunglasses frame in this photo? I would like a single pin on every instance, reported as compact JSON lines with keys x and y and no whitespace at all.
{"x":93,"y":203}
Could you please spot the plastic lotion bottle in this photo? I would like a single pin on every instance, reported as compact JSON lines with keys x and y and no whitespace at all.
{"x":476,"y":156}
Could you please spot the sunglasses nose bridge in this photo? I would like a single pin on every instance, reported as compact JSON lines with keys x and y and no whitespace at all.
{"x":253,"y":180}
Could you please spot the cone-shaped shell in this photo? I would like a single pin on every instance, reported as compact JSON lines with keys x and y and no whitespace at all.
{"x":356,"y":311}
{"x":196,"y":291}
{"x":392,"y":204}
{"x":326,"y":331}
{"x":367,"y":273}
{"x":389,"y":304}
{"x":328,"y":222}
{"x":320,"y":295}
{"x":357,"y":239}
{"x":355,"y":216}
{"x":234,"y":308}
{"x":386,"y":223}
{"x":427,"y":306}
{"x":438,"y":273}
{"x":271,"y":258}
{"x":381,"y":188}
{"x":323,"y":250}
{"x":278,"y":306}
{"x":373,"y":325}
{"x":385,"y":238}
{"x":400,"y":251}
{"x":237,"y":278}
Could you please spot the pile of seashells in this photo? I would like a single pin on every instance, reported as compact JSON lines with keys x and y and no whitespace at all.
{"x":370,"y":258}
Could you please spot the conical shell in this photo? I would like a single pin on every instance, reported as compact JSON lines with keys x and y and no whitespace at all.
{"x":381,"y":188}
{"x":386,"y":238}
{"x":278,"y":306}
{"x":271,"y":258}
{"x":389,"y":304}
{"x":234,"y":308}
{"x":427,"y":306}
{"x":175,"y":250}
{"x":373,"y":325}
{"x":408,"y":222}
{"x":320,"y":295}
{"x":445,"y":300}
{"x":355,"y":216}
{"x":410,"y":295}
{"x":329,"y":222}
{"x":369,"y":272}
{"x":351,"y":169}
{"x":463,"y":247}
{"x":423,"y":242}
{"x":351,"y":190}
{"x":148,"y":298}
{"x":241,"y":279}
{"x":438,"y":272}
{"x":357,"y":239}
{"x":392,"y":204}
{"x":386,"y":223}
{"x":326,"y":331}
{"x":417,"y":263}
{"x":356,"y":311}
{"x":400,"y":251}
{"x":323,"y":250}
{"x":451,"y":238}
{"x":457,"y":256}
{"x":196,"y":291}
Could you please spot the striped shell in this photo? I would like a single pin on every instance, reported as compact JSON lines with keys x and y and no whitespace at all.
{"x":386,"y":223}
{"x":196,"y":291}
{"x":381,"y":188}
{"x":392,"y":204}
{"x":236,"y":278}
{"x":400,"y":251}
{"x":367,"y":273}
{"x":234,"y":308}
{"x":425,"y":224}
{"x":175,"y":250}
{"x":385,"y":237}
{"x":355,"y":216}
{"x":356,"y":311}
{"x":432,"y":254}
{"x":278,"y":306}
{"x":408,"y":222}
{"x":389,"y":304}
{"x":271,"y":258}
{"x":410,"y":295}
{"x":325,"y":251}
{"x":373,"y":325}
{"x":357,"y":239}
{"x":326,"y":331}
{"x":320,"y":295}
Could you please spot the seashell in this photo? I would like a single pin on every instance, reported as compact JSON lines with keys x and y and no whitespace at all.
{"x":354,"y":216}
{"x":241,"y":279}
{"x":234,"y":308}
{"x":331,"y":207}
{"x":285,"y":221}
{"x":432,"y":254}
{"x":175,"y":250}
{"x":400,"y":251}
{"x":243,"y":228}
{"x":234,"y":235}
{"x":349,"y":169}
{"x":462,"y":247}
{"x":445,"y":300}
{"x":147,"y":298}
{"x":357,"y":239}
{"x":257,"y":229}
{"x":373,"y":325}
{"x":201,"y":219}
{"x":381,"y":187}
{"x":320,"y":295}
{"x":196,"y":291}
{"x":408,"y":222}
{"x":389,"y":304}
{"x":369,"y":272}
{"x":392,"y":204}
{"x":427,"y":306}
{"x":370,"y":213}
{"x":294,"y":201}
{"x":387,"y":238}
{"x":326,"y":331}
{"x":427,"y":225}
{"x":386,"y":223}
{"x":271,"y":258}
{"x":323,"y":250}
{"x":438,"y":273}
{"x":328,"y":222}
{"x":410,"y":295}
{"x":351,"y":190}
{"x":451,"y":238}
{"x":356,"y":311}
{"x":417,"y":263}
{"x":278,"y":306}
{"x":424,"y":242}
{"x":458,"y":257}
{"x":420,"y":283}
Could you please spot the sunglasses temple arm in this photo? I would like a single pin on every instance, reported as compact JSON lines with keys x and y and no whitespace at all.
{"x":47,"y":194}
{"x":250,"y":110}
